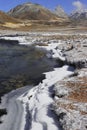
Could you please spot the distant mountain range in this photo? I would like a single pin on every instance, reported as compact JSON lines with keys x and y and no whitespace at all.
{"x":79,"y":17}
{"x":79,"y":14}
{"x":29,"y":11}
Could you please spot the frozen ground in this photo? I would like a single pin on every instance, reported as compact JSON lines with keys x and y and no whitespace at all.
{"x":71,"y":101}
{"x":12,"y":121}
{"x":39,"y":99}
{"x":37,"y":102}
{"x":75,"y":51}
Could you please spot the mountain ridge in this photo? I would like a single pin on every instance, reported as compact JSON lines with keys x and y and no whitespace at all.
{"x":32,"y":11}
{"x":79,"y":17}
{"x":36,"y":11}
{"x":29,"y":15}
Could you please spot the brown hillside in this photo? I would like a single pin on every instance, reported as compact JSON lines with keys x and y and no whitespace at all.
{"x":31,"y":11}
{"x":5,"y":18}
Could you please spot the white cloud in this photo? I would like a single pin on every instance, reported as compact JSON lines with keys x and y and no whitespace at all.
{"x":78,"y":5}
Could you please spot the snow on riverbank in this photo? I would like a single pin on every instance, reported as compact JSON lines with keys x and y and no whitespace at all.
{"x":21,"y":39}
{"x":53,"y":49}
{"x":39,"y":99}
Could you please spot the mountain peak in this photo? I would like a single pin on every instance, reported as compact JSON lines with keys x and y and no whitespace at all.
{"x":59,"y":8}
{"x":79,"y":17}
{"x":79,"y":11}
{"x":79,"y":14}
{"x":60,"y":12}
{"x":32,"y":11}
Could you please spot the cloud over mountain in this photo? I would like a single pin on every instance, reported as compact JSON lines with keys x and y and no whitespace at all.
{"x":79,"y":15}
{"x":78,"y":5}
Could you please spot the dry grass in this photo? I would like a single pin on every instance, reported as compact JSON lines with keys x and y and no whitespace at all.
{"x":79,"y":89}
{"x":80,"y":96}
{"x":11,"y":25}
{"x":38,"y":25}
{"x":68,"y":106}
{"x":83,"y":112}
{"x":77,"y":94}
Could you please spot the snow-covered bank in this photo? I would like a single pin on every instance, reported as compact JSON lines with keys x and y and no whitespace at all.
{"x":12,"y":121}
{"x":53,"y":50}
{"x":70,"y":102}
{"x":39,"y":99}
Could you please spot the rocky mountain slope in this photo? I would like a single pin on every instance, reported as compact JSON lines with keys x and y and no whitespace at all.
{"x":5,"y":18}
{"x":31,"y":11}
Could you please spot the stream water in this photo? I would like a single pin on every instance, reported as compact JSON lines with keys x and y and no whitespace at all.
{"x":21,"y":65}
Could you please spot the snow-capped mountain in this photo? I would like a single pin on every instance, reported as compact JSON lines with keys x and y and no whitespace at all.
{"x":79,"y":17}
{"x":79,"y":14}
{"x":60,"y":12}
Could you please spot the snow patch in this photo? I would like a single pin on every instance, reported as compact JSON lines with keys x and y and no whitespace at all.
{"x":39,"y":98}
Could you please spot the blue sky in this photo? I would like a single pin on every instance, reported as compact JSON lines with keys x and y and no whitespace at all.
{"x":68,"y":5}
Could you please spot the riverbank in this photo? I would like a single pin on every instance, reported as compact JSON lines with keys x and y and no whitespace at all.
{"x":43,"y":100}
{"x":38,"y":111}
{"x":39,"y":99}
{"x":70,"y":102}
{"x":21,"y":65}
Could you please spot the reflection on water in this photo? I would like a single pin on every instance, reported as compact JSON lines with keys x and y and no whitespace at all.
{"x":21,"y":65}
